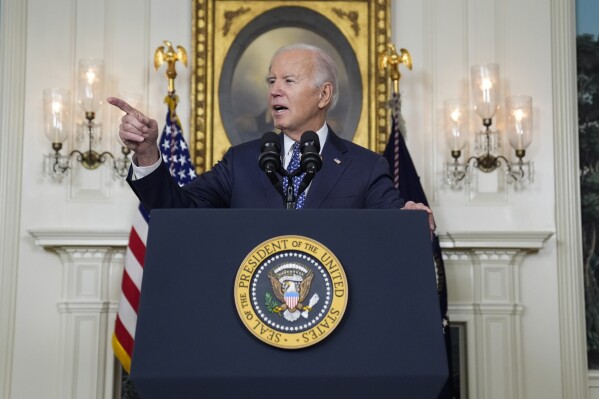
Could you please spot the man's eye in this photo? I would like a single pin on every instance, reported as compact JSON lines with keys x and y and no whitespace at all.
{"x":289,"y":80}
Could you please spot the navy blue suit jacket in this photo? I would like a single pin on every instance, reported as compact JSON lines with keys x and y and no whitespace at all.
{"x":351,"y":177}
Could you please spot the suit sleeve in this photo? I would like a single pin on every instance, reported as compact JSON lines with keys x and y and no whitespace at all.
{"x":381,"y":192}
{"x":211,"y":189}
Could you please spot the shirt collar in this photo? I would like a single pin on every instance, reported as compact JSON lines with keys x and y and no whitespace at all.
{"x":288,"y":143}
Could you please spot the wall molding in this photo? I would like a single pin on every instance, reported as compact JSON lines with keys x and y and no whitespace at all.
{"x":13,"y":47}
{"x":572,"y":323}
{"x":533,"y":240}
{"x":78,"y":237}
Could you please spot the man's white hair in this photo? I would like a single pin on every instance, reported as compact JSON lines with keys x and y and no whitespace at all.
{"x":326,"y":69}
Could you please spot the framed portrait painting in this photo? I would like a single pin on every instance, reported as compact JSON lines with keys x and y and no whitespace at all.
{"x":233,"y":43}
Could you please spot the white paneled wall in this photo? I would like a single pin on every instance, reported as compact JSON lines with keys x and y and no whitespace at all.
{"x":523,"y":313}
{"x":58,"y":350}
{"x":13,"y":29}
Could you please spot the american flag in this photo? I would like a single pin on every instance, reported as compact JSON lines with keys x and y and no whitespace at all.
{"x":175,"y":155}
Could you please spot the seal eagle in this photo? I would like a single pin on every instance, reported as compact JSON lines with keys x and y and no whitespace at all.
{"x":292,"y":298}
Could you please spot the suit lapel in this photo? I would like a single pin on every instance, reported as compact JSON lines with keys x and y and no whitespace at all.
{"x":272,"y":198}
{"x":334,"y":163}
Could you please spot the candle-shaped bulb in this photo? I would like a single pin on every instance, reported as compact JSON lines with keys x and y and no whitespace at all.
{"x":519,"y":121}
{"x":485,"y":79}
{"x":518,"y":115}
{"x":56,"y":107}
{"x":90,"y":76}
{"x":56,"y":114}
{"x":455,"y":115}
{"x":455,"y":119}
{"x":486,"y":84}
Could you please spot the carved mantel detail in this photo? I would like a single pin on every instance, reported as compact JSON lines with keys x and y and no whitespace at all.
{"x":483,"y":279}
{"x":91,"y":273}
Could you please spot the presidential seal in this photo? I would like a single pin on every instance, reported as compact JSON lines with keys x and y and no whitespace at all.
{"x":291,"y":292}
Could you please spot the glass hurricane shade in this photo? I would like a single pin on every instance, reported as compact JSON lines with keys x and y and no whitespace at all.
{"x":519,"y":121}
{"x":485,"y":89}
{"x":456,"y":118}
{"x":90,"y":81}
{"x":57,"y":113}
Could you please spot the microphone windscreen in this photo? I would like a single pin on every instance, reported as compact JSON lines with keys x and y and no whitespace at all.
{"x":310,"y":136}
{"x":270,"y":138}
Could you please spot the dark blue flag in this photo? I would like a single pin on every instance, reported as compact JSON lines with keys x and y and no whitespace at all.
{"x":406,"y":179}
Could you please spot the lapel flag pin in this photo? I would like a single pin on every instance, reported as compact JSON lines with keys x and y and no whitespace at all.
{"x":337,"y":160}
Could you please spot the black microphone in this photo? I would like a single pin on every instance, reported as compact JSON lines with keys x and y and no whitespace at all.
{"x":270,"y":155}
{"x":270,"y":158}
{"x":311,"y":161}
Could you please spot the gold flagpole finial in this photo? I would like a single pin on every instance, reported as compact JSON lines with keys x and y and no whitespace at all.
{"x":389,"y":60}
{"x":168,"y":54}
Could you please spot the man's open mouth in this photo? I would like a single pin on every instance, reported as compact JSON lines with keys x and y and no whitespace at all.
{"x":279,"y":108}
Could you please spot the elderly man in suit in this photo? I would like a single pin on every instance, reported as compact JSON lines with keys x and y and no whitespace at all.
{"x":302,"y":82}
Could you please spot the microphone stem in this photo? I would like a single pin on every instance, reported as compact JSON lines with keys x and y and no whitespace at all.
{"x":289,"y":198}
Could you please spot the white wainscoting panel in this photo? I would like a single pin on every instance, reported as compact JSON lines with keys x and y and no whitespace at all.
{"x":92,"y":265}
{"x":483,"y":280}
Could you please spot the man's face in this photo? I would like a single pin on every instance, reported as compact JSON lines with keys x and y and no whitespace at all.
{"x":296,"y":104}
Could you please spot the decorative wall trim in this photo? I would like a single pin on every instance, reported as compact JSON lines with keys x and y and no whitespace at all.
{"x":84,"y":238}
{"x":593,"y":381}
{"x":13,"y":47}
{"x":92,"y":267}
{"x":495,"y":239}
{"x":567,"y":188}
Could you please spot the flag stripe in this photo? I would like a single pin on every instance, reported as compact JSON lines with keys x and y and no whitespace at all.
{"x":131,"y":292}
{"x":123,"y":336}
{"x":137,"y":246}
{"x":128,"y":316}
{"x":134,"y":269}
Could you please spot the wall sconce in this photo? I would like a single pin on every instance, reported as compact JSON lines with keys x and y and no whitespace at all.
{"x":518,"y":126}
{"x":57,"y":112}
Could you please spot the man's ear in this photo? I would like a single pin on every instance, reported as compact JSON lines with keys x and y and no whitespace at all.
{"x":326,"y":95}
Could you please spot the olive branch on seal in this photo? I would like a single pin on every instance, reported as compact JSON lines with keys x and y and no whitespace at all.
{"x":271,"y":305}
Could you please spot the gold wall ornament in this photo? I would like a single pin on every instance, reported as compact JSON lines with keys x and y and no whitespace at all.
{"x":352,"y":16}
{"x":168,"y":54}
{"x":390,"y":60}
{"x":230,"y":69}
{"x":230,"y":17}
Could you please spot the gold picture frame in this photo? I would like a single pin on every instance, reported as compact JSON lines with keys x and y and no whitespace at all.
{"x":233,"y":42}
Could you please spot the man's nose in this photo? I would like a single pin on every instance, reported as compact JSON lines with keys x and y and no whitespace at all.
{"x":275,"y":88}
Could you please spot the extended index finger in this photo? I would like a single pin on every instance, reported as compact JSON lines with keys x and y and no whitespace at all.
{"x":128,"y":109}
{"x":121,"y":104}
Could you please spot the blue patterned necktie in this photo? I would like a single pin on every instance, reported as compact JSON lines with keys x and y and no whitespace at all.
{"x":293,"y":165}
